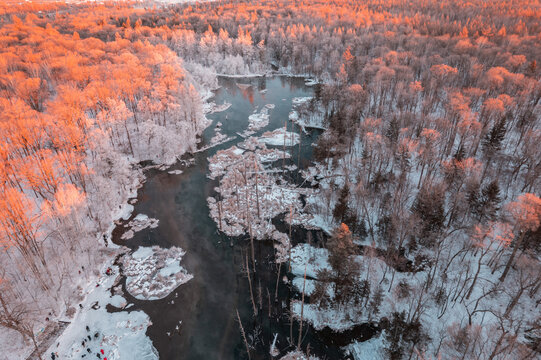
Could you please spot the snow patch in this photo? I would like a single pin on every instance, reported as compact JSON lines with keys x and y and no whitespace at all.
{"x":297,"y":355}
{"x":370,"y":349}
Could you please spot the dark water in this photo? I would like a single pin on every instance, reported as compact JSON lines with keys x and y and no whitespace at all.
{"x":207,"y":304}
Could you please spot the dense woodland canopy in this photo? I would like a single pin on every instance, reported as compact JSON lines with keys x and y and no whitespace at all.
{"x":432,"y":148}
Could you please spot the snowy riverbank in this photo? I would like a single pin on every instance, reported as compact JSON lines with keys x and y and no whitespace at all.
{"x":99,"y":252}
{"x":96,"y":332}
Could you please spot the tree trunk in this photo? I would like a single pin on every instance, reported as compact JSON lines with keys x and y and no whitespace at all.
{"x":512,"y":257}
{"x":302,"y":308}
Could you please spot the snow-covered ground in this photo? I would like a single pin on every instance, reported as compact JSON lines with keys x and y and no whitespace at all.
{"x":336,"y":319}
{"x":152,"y":273}
{"x":309,"y":258}
{"x":371,"y":349}
{"x":402,"y":292}
{"x":114,"y":178}
{"x":96,"y":333}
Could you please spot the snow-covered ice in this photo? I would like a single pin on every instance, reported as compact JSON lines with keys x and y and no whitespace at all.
{"x":152,"y":273}
{"x":260,"y":119}
{"x":124,"y":212}
{"x":280,"y":137}
{"x":175,"y":172}
{"x":214,"y":108}
{"x":244,"y":86}
{"x":301,"y":100}
{"x":140,"y":222}
{"x":297,"y":355}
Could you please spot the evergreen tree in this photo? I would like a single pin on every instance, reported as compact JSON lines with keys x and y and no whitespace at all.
{"x":393,"y":130}
{"x":341,"y":208}
{"x":345,"y":268}
{"x":484,"y":203}
{"x":322,"y":150}
{"x":401,"y":336}
{"x":494,"y":139}
{"x":532,"y":67}
{"x":473,"y":198}
{"x":460,"y":153}
{"x":490,"y":201}
{"x":429,"y":207}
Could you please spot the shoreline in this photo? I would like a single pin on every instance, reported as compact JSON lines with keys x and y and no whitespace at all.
{"x":106,"y":243}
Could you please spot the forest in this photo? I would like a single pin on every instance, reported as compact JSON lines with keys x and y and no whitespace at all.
{"x":426,"y":179}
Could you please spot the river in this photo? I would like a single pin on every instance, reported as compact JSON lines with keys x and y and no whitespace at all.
{"x":206,"y":306}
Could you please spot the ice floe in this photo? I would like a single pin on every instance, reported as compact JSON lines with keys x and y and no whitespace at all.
{"x":152,"y":273}
{"x":140,"y":222}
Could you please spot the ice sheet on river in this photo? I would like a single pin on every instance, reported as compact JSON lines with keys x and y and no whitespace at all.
{"x":218,"y":139}
{"x":280,"y":137}
{"x":152,"y":273}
